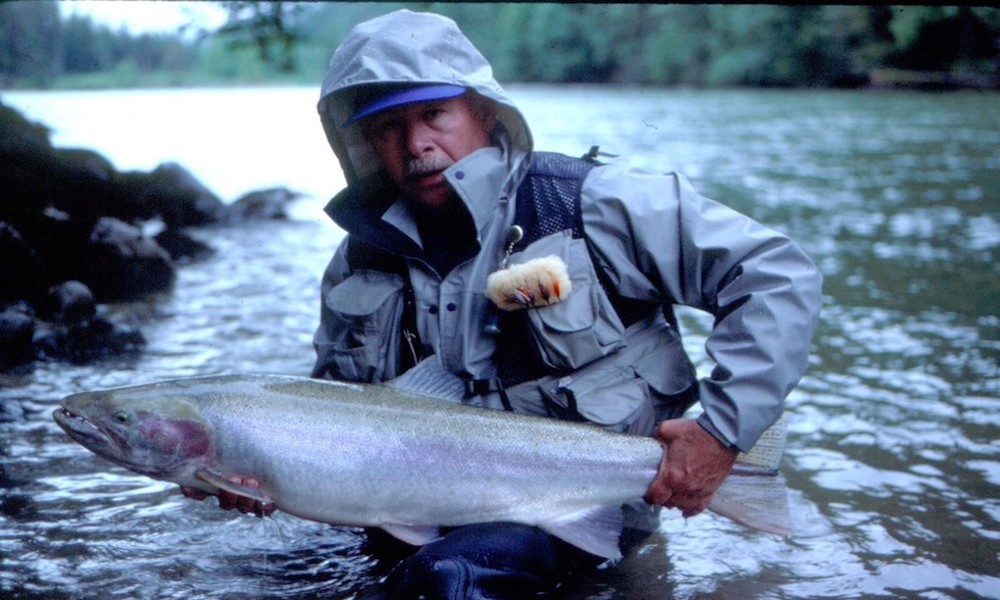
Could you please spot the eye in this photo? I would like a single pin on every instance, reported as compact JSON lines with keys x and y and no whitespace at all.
{"x":382,"y":128}
{"x":433,"y":113}
{"x":121,"y":416}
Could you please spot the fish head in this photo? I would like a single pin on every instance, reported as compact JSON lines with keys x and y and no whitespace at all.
{"x":144,"y":429}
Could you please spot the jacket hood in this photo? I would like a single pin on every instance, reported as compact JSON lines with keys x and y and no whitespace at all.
{"x":409,"y":47}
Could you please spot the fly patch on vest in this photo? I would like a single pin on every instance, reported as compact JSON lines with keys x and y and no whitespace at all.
{"x":548,"y":202}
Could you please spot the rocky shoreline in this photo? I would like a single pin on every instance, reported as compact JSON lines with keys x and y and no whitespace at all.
{"x":76,"y":233}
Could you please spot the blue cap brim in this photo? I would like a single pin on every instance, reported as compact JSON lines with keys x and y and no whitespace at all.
{"x":421,"y":93}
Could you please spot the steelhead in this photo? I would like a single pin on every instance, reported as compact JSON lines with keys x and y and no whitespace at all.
{"x":377,"y":455}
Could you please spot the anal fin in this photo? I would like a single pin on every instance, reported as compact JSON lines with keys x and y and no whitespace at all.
{"x":415,"y":535}
{"x":595,"y":530}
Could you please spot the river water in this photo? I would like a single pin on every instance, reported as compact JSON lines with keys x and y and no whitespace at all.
{"x":892,"y":463}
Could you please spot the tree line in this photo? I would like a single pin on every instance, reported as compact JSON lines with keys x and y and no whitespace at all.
{"x":650,"y":44}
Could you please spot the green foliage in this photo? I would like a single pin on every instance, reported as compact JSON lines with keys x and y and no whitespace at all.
{"x":655,"y":44}
{"x":269,"y":27}
{"x":29,"y":42}
{"x":945,"y":38}
{"x":37,"y":48}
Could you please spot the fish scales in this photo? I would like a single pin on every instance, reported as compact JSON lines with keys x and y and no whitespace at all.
{"x":464,"y":463}
{"x":371,"y":455}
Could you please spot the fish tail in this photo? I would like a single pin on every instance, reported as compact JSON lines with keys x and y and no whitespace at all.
{"x":755,"y":494}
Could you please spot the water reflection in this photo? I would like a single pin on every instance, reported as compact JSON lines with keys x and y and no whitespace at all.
{"x":892,"y":464}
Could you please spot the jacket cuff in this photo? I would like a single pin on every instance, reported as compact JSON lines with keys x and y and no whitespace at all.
{"x":706,"y":423}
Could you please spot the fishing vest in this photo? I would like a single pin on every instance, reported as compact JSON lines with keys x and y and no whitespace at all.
{"x":597,"y":382}
{"x":547,"y":202}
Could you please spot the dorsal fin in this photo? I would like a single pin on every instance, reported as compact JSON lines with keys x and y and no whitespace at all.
{"x":429,"y":378}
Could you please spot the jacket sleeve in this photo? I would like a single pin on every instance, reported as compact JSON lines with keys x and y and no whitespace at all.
{"x":336,"y":271}
{"x":658,"y":240}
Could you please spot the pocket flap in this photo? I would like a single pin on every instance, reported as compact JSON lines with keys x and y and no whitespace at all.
{"x":363,"y":293}
{"x":604,"y":393}
{"x":658,"y":356}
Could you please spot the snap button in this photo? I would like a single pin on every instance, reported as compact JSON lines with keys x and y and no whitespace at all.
{"x":451,"y":307}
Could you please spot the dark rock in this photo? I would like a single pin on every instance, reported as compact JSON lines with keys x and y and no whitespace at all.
{"x":17,"y":328}
{"x":85,"y":164}
{"x":60,"y":242}
{"x":269,"y":204}
{"x":174,"y":194}
{"x":21,"y":136}
{"x":89,"y":341}
{"x":182,"y":247}
{"x":16,"y":331}
{"x":69,"y":302}
{"x":69,"y":218}
{"x":21,"y":271}
{"x":84,"y":185}
{"x":123,"y":264}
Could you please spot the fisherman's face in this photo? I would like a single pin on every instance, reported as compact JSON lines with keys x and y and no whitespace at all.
{"x":415,"y":143}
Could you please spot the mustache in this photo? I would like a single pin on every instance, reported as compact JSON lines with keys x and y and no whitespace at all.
{"x":418,"y":167}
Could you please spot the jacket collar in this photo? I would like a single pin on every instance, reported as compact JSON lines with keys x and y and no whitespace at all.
{"x":372,"y":209}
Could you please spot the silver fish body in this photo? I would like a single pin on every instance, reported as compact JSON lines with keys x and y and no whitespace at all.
{"x":379,"y":455}
{"x":370,"y":455}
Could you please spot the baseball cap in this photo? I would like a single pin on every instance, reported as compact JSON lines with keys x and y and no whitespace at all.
{"x":399,"y":96}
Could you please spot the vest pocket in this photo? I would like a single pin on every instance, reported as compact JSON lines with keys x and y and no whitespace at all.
{"x":609,"y":395}
{"x":583,"y":326}
{"x":604,"y":393}
{"x":650,"y":379}
{"x":366,"y":315}
{"x":657,"y":356}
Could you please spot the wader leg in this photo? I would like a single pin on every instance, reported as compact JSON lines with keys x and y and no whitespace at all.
{"x":486,"y":561}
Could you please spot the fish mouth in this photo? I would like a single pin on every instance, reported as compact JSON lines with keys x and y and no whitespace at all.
{"x":106,"y":442}
{"x":91,"y":435}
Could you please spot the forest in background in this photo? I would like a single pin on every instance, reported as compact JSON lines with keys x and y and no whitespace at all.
{"x":693,"y":45}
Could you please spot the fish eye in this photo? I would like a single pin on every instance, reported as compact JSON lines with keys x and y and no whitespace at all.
{"x":121,"y":416}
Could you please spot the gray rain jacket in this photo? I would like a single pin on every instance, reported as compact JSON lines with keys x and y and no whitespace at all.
{"x":655,"y":240}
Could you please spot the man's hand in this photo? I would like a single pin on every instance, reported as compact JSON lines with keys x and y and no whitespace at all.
{"x":229,"y":500}
{"x":693,"y":467}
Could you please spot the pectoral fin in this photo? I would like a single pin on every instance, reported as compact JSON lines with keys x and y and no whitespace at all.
{"x":413,"y":534}
{"x":224,"y":484}
{"x":595,"y":530}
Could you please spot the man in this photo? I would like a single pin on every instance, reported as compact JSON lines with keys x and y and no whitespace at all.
{"x":444,"y":190}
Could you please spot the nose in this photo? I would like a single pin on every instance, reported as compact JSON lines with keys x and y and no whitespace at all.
{"x":419,"y":139}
